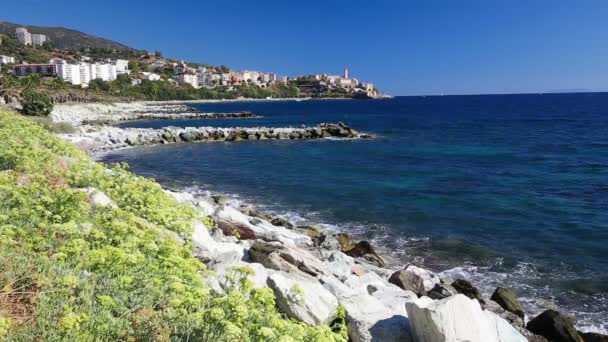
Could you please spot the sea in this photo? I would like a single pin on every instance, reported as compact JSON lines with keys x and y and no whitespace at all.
{"x":502,"y":190}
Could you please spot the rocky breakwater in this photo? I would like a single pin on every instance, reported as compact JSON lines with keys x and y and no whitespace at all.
{"x":316,"y":274}
{"x":100,"y":139}
{"x":188,"y":115}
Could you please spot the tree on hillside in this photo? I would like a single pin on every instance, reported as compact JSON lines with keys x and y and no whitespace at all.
{"x":35,"y":103}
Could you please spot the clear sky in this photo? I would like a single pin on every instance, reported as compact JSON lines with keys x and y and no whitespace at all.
{"x":405,"y":47}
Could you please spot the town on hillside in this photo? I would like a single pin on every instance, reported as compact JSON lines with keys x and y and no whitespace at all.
{"x":145,"y":75}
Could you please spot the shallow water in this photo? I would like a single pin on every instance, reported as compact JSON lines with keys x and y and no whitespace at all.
{"x":509,"y":190}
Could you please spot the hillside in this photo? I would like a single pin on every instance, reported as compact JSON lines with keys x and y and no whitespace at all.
{"x":64,"y":38}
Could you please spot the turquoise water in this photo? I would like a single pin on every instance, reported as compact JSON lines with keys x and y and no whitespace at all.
{"x":509,"y":190}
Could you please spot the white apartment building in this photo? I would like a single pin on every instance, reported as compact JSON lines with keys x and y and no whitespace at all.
{"x":23,"y":36}
{"x":7,"y":59}
{"x":82,"y":73}
{"x":190,"y":79}
{"x":38,"y":39}
{"x":122,"y":66}
{"x":150,"y":76}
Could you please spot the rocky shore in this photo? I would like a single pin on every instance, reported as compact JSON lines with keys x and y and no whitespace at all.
{"x":315,"y":273}
{"x":170,"y":116}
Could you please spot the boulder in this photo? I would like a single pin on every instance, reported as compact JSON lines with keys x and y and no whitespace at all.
{"x":281,"y":222}
{"x":98,"y":199}
{"x":346,"y":241}
{"x":505,"y":331}
{"x":457,"y":318}
{"x":554,"y":327}
{"x":287,"y":258}
{"x":365,"y":249}
{"x":369,"y":320}
{"x":339,"y":264}
{"x":215,"y":252}
{"x":306,"y":301}
{"x":441,"y":291}
{"x":241,"y":231}
{"x":510,"y":317}
{"x":429,"y":279}
{"x":593,"y":337}
{"x":466,"y":288}
{"x":507,"y":299}
{"x":393,"y":298}
{"x":232,"y":218}
{"x":408,"y":281}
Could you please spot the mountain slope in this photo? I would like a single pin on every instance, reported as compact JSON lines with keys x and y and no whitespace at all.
{"x":62,"y":37}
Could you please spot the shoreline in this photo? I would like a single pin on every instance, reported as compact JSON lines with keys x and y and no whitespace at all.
{"x":230,"y":216}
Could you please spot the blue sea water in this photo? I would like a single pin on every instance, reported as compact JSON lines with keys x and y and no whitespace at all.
{"x":507,"y":190}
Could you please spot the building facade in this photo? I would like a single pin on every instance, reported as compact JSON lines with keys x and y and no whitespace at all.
{"x":45,"y":70}
{"x":7,"y":59}
{"x":38,"y":39}
{"x":23,"y":36}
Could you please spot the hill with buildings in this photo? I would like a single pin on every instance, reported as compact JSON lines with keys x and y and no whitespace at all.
{"x":64,"y":38}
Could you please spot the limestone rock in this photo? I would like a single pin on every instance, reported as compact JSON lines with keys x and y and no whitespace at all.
{"x":98,"y":199}
{"x":457,"y":318}
{"x":365,"y":249}
{"x":369,"y":320}
{"x":281,"y":257}
{"x":303,"y":300}
{"x":508,"y":300}
{"x":441,"y":291}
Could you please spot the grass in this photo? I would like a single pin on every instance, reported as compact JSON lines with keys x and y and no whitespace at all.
{"x":74,"y":272}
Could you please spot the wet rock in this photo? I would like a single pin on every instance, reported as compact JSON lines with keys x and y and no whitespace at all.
{"x":510,"y":317}
{"x":441,"y":291}
{"x":220,"y":200}
{"x":281,"y":222}
{"x":346,"y":241}
{"x":365,"y":249}
{"x":242,"y":232}
{"x":467,"y":289}
{"x":306,"y":301}
{"x":507,"y":299}
{"x":408,"y":281}
{"x":593,"y":337}
{"x":429,"y":279}
{"x":554,"y":327}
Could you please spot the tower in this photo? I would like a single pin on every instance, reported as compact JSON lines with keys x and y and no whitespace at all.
{"x":346,"y":73}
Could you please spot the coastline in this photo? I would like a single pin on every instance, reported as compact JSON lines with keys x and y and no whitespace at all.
{"x":231,"y":217}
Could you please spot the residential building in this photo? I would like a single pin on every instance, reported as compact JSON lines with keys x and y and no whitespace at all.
{"x":150,"y":76}
{"x":190,"y":79}
{"x":82,"y":73}
{"x":345,"y":73}
{"x":122,"y":66}
{"x":45,"y":70}
{"x":7,"y":59}
{"x":23,"y":36}
{"x":38,"y":39}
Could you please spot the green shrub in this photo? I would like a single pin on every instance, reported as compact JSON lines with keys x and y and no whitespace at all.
{"x":35,"y":103}
{"x":70,"y":272}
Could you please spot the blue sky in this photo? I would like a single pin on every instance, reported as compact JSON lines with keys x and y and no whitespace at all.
{"x":405,"y":47}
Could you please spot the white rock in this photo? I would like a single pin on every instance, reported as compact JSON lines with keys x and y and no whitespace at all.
{"x":340,"y":264}
{"x":264,"y":230}
{"x":369,"y":320}
{"x":361,"y":283}
{"x":98,"y":199}
{"x":456,"y":318}
{"x":336,"y":287}
{"x":506,"y":332}
{"x":429,"y":279}
{"x":313,"y":306}
{"x":393,"y":298}
{"x":181,"y":197}
{"x":216,"y":252}
{"x":206,"y":206}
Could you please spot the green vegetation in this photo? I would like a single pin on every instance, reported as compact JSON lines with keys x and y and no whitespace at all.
{"x":72,"y":271}
{"x":35,"y":103}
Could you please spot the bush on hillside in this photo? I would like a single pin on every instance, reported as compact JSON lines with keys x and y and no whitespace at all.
{"x":35,"y":103}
